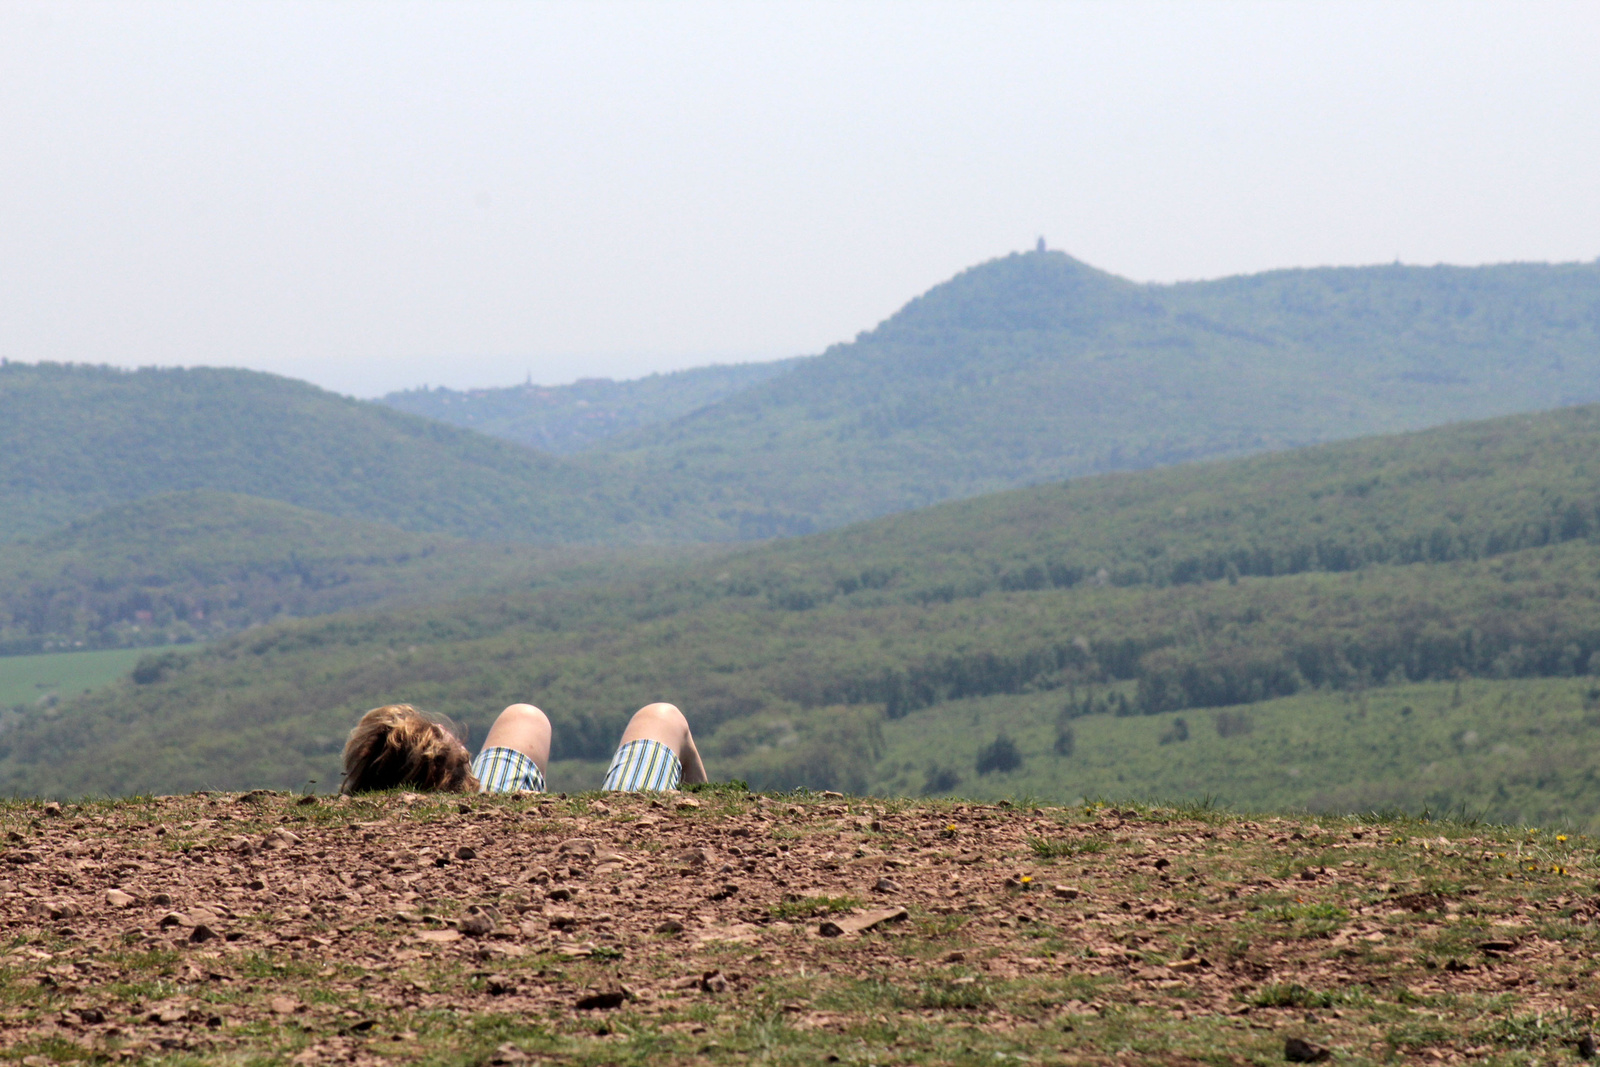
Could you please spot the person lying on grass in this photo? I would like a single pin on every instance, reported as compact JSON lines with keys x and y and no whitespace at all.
{"x":398,"y":746}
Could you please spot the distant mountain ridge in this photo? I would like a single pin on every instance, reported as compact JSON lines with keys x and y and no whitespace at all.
{"x":1036,"y":367}
{"x":1029,"y":368}
{"x":563,"y":419}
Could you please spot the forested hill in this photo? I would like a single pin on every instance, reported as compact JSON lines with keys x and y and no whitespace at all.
{"x":1027,"y":369}
{"x":563,"y":419}
{"x":198,"y":565}
{"x":1466,"y":551}
{"x":1036,"y":367}
{"x":75,"y":439}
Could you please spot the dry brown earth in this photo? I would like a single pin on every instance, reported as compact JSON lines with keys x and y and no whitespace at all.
{"x":727,"y":926}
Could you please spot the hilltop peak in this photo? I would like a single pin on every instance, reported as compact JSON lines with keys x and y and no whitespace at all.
{"x":1036,"y":290}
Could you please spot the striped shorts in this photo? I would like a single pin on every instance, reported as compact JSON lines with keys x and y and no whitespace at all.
{"x":506,"y":770}
{"x":643,"y":767}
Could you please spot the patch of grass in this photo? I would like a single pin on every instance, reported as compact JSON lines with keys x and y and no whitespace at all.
{"x":1311,"y":920}
{"x":1294,"y":995}
{"x":1046,"y":849}
{"x":1532,"y":1031}
{"x":954,"y":994}
{"x":813,"y":907}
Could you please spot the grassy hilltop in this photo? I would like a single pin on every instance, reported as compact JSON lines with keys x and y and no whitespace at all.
{"x":727,"y":927}
{"x":1320,"y":576}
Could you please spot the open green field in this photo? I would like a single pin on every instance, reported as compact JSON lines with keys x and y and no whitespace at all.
{"x":1518,"y":751}
{"x":26,"y":680}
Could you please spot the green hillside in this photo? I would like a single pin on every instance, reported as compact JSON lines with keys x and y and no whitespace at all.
{"x":1021,"y":371}
{"x":26,"y":681}
{"x":1512,"y":751}
{"x":1464,"y":551}
{"x":1036,"y":367}
{"x":195,"y":565}
{"x":562,"y":419}
{"x":76,"y":439}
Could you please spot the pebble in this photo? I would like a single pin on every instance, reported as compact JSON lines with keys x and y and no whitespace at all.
{"x":116,"y":898}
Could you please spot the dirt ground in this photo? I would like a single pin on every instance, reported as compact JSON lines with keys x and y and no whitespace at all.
{"x":726,"y":926}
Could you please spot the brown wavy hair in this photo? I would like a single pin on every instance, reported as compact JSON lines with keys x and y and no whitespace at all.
{"x":397,"y":745}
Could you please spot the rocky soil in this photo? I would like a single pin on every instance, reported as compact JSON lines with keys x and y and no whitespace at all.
{"x":729,"y":926}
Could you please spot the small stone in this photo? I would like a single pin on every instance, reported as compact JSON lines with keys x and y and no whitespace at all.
{"x":1586,"y":1046}
{"x":600,"y":807}
{"x":886,"y":885}
{"x":466,"y":852}
{"x":498,"y":985}
{"x":241,"y":844}
{"x":508,"y":1055}
{"x":686,"y":804}
{"x":439,"y":937}
{"x":52,"y":809}
{"x":558,"y":892}
{"x":255,"y":885}
{"x":201,"y":933}
{"x":173,"y":918}
{"x":279,"y":839}
{"x":691,"y":857}
{"x":478,"y":922}
{"x":1066,"y":892}
{"x":161,"y":900}
{"x":671,"y":926}
{"x":713,"y":982}
{"x":861,"y":922}
{"x":116,"y":898}
{"x":1299,"y":1050}
{"x":283,"y":1005}
{"x":577,"y":846}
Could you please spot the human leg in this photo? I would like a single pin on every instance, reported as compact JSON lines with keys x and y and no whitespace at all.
{"x":638,"y":764}
{"x":521,"y":733}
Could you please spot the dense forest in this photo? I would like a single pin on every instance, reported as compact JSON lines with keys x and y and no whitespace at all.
{"x":1465,"y":552}
{"x":192,"y":566}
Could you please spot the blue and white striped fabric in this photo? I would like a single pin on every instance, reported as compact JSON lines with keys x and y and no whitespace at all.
{"x":506,"y":770}
{"x":643,"y":766}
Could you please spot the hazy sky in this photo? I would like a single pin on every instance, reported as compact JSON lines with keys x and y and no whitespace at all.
{"x":374,"y":196}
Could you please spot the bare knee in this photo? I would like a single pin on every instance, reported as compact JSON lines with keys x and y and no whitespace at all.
{"x":664,"y":714}
{"x":524,"y":715}
{"x":658,"y":722}
{"x":524,"y":728}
